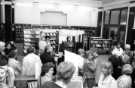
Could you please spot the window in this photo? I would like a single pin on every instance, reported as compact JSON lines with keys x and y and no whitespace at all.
{"x":115,"y":17}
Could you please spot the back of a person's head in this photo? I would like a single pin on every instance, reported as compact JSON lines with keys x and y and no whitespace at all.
{"x":65,"y":71}
{"x":81,"y":52}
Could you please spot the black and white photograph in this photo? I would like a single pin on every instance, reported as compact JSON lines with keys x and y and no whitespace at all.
{"x":67,"y":43}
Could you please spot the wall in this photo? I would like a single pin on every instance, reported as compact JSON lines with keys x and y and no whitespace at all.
{"x":27,"y":14}
{"x":112,"y":4}
{"x":76,"y":15}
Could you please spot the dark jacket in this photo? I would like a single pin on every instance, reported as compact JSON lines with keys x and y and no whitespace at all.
{"x":3,"y":60}
{"x":50,"y":85}
{"x":47,"y":57}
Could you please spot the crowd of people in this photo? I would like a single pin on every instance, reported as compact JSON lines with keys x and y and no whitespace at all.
{"x":52,"y":71}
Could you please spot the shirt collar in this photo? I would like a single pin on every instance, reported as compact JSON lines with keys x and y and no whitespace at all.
{"x":61,"y":84}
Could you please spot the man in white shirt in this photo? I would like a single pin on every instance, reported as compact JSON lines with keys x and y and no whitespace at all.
{"x":32,"y":64}
{"x":117,"y":51}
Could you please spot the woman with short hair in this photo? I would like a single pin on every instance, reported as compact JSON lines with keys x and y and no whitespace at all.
{"x":65,"y":71}
{"x":106,"y":80}
{"x":47,"y":72}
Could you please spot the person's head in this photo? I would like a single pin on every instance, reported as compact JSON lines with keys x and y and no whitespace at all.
{"x":12,"y":54}
{"x":10,"y":45}
{"x":65,"y":71}
{"x":125,"y":59}
{"x":107,"y":68}
{"x":118,"y":45}
{"x":47,"y":68}
{"x":30,"y":49}
{"x":91,"y":55}
{"x":127,"y":47}
{"x":81,"y":52}
{"x":47,"y":38}
{"x":2,"y":46}
{"x":127,"y":69}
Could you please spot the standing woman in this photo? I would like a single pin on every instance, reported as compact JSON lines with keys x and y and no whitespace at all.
{"x":89,"y":70}
{"x":42,"y":44}
{"x":106,"y":80}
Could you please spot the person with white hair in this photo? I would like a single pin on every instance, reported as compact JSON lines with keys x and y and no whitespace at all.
{"x":128,"y":50}
{"x":127,"y":46}
{"x":125,"y":81}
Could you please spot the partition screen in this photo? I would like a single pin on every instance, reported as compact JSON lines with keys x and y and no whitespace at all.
{"x":53,"y":18}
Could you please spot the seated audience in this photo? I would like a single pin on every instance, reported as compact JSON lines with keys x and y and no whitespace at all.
{"x":47,"y":72}
{"x":125,"y":80}
{"x":106,"y":80}
{"x":65,"y":71}
{"x":31,"y":65}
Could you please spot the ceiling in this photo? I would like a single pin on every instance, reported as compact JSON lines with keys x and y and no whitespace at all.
{"x":92,"y":3}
